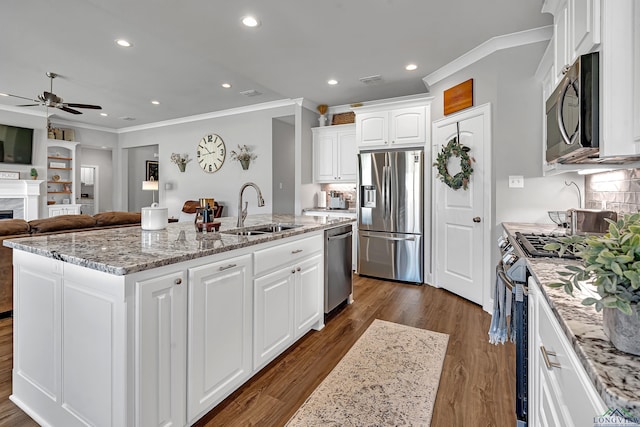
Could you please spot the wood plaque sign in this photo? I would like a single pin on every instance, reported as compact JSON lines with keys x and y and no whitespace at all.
{"x":458,"y":97}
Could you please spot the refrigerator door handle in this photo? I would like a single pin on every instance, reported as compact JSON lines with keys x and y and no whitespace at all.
{"x":384,"y":192}
{"x":408,"y":238}
{"x":389,"y":206}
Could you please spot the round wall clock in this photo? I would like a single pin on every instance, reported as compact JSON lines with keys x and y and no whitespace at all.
{"x":211,"y":153}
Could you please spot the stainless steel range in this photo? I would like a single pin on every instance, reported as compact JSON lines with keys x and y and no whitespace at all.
{"x":513,"y":272}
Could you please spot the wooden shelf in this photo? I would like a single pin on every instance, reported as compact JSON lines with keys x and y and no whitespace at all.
{"x":60,"y":169}
{"x":59,"y":182}
{"x":59,"y":192}
{"x":59,"y":158}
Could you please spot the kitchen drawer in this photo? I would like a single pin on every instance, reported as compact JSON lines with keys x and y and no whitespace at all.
{"x":287,"y":253}
{"x":578,"y":402}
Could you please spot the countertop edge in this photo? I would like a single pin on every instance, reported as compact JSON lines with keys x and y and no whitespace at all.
{"x":158,"y":257}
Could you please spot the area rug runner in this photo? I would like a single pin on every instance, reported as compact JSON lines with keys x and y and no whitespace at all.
{"x":388,"y":378}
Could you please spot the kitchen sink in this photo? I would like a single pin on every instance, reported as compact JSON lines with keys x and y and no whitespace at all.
{"x":262,"y":229}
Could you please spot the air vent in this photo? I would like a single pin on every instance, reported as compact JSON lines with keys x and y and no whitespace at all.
{"x":371,"y":80}
{"x":129,"y":119}
{"x":250,"y":92}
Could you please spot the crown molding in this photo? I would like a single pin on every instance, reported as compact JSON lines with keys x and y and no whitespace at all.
{"x":213,"y":115}
{"x":487,"y":48}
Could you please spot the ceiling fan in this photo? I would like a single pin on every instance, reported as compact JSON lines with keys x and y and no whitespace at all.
{"x":50,"y":99}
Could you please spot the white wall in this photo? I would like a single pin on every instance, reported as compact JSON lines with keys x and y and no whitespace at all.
{"x":306,"y":193}
{"x":250,"y":128}
{"x":506,"y":80}
{"x":138,"y":157}
{"x":283,"y":152}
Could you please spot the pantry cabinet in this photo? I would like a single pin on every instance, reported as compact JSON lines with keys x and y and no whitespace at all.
{"x":334,"y":154}
{"x":560,"y":392}
{"x":394,"y":123}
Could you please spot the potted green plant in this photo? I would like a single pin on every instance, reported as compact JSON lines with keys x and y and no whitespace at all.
{"x":34,"y":173}
{"x":244,"y":156}
{"x":610,"y":263}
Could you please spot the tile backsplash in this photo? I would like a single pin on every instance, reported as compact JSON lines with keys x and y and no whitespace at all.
{"x":617,"y":190}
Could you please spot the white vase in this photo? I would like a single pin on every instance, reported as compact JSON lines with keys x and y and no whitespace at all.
{"x":322,"y":120}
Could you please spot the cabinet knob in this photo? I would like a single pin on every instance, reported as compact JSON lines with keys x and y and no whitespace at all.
{"x":298,"y":269}
{"x":293,"y":272}
{"x":178,"y":281}
{"x":476,"y":219}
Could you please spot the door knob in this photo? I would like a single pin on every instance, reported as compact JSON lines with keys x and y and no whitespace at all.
{"x":476,"y":219}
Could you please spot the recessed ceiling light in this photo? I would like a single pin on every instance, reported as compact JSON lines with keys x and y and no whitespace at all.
{"x":4,"y":94}
{"x":332,"y":82}
{"x":154,"y":102}
{"x":250,"y":21}
{"x":226,"y":85}
{"x":104,"y":114}
{"x":123,"y":43}
{"x":411,"y":67}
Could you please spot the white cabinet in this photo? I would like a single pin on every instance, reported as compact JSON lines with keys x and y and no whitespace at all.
{"x":560,"y":392}
{"x":576,"y":30}
{"x":161,"y":352}
{"x":395,"y":127}
{"x":64,"y":209}
{"x":620,"y":79}
{"x":334,"y":153}
{"x":273,"y":314}
{"x":288,"y":297}
{"x":86,"y":176}
{"x":390,"y":127}
{"x":309,"y":294}
{"x":220,"y":329}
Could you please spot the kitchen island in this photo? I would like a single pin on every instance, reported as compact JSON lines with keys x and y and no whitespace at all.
{"x":614,"y":375}
{"x":127,"y":327}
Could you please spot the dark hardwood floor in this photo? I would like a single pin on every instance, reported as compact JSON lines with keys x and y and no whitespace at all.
{"x":477,"y":386}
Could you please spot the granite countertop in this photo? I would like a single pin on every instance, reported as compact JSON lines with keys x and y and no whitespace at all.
{"x":351,"y":211}
{"x":127,"y":250}
{"x":616,"y":375}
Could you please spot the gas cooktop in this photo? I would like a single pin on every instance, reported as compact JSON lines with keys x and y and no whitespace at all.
{"x":533,"y":245}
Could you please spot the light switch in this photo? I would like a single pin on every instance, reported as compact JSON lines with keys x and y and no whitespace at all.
{"x":516,"y":181}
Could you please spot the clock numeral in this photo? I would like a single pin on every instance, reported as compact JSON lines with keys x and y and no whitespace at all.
{"x":210,"y":168}
{"x":209,"y":138}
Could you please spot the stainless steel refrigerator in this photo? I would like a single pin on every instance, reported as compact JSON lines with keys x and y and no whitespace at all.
{"x":390,"y":215}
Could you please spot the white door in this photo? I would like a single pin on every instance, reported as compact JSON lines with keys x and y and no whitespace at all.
{"x":462,"y":217}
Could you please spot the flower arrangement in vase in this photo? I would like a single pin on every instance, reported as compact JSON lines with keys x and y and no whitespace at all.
{"x":181,"y":160}
{"x":244,"y":156}
{"x":611,"y":264}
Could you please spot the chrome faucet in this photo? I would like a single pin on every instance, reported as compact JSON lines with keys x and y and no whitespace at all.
{"x":242,"y":213}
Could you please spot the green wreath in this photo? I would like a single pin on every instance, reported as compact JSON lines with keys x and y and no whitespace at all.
{"x":461,"y":179}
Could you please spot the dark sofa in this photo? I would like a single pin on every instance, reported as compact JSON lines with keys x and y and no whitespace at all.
{"x":14,"y":228}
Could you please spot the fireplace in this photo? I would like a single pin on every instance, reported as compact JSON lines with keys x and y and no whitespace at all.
{"x":6,"y":214}
{"x":22,"y":196}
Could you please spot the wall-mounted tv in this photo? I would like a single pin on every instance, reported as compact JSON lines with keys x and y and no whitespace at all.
{"x":16,"y":145}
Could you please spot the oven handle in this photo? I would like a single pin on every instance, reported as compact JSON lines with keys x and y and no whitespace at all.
{"x":503,"y":276}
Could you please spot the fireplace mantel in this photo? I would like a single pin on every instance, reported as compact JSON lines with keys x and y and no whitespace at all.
{"x":28,"y":190}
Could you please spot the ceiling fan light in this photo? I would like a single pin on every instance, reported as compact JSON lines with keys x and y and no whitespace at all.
{"x":123,"y":43}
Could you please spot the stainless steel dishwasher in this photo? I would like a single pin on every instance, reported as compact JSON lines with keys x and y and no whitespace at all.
{"x":337,"y":266}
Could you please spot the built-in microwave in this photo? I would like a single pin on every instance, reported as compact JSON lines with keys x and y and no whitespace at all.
{"x":572,"y":113}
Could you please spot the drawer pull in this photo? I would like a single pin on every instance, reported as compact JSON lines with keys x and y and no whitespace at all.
{"x":227,"y":267}
{"x":545,"y":356}
{"x":297,"y":251}
{"x":178,"y":281}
